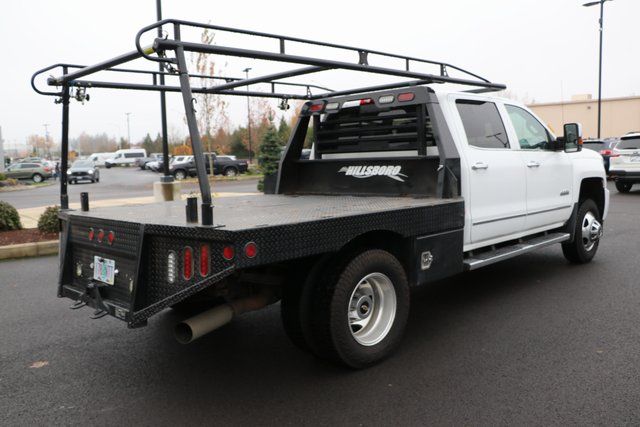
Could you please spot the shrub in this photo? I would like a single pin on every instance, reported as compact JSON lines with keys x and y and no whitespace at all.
{"x":9,"y":218}
{"x":3,"y":177}
{"x":48,"y":221}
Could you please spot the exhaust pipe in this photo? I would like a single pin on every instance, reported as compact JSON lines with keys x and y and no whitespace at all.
{"x":193,"y":328}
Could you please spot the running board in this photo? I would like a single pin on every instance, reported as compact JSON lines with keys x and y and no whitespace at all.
{"x":473,"y":262}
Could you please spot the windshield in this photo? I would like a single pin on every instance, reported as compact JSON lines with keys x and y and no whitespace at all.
{"x":82,"y":164}
{"x":629,"y":144}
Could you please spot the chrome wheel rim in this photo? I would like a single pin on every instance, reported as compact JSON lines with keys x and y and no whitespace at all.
{"x":231,"y":172}
{"x":179,"y":176}
{"x":37,"y":178}
{"x":372,"y":309}
{"x":591,"y":231}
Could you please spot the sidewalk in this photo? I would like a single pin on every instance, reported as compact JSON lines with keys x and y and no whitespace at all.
{"x":29,"y":216}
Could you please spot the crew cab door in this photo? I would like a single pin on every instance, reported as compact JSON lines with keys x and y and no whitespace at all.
{"x":549,"y":173}
{"x":496,"y":182}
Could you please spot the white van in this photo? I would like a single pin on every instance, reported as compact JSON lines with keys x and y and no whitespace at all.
{"x":125,"y":157}
{"x":98,"y":159}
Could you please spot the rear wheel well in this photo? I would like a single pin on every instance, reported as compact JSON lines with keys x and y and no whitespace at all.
{"x":592,"y":188}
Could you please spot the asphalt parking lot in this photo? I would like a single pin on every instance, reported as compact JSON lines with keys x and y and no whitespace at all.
{"x":532,"y":341}
{"x":115,"y":183}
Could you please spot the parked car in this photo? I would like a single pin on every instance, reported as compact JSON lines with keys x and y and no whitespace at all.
{"x":125,"y":157}
{"x":221,"y":166}
{"x":625,"y":162}
{"x":180,"y":159}
{"x":37,"y":172}
{"x":604,"y":147}
{"x":158,"y":164}
{"x":142,"y":162}
{"x":99,"y":159}
{"x":83,"y":170}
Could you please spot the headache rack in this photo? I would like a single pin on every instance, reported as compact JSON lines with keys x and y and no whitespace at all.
{"x":168,"y":49}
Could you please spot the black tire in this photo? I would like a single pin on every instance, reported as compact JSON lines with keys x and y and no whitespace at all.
{"x":179,"y":174}
{"x":231,"y":171}
{"x":578,"y":251}
{"x":623,"y":187}
{"x":37,"y":178}
{"x":295,"y":306}
{"x":107,"y":165}
{"x":333,"y":294}
{"x":70,"y":182}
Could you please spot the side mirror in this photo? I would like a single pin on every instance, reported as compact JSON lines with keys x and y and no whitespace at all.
{"x":572,"y":137}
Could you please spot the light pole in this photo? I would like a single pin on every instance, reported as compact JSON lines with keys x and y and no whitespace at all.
{"x":46,"y":137}
{"x":246,"y":72}
{"x":128,"y":129}
{"x":589,"y":4}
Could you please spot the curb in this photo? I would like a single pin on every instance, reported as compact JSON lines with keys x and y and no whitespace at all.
{"x":25,"y":250}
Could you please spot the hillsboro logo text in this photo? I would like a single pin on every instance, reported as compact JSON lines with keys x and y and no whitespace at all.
{"x":392,"y":172}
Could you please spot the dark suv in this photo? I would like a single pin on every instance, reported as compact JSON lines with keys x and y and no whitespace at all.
{"x":221,"y":166}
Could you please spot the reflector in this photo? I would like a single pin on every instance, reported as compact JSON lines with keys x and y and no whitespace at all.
{"x":187,"y":263}
{"x":228,"y":253}
{"x":204,"y":260}
{"x":250,"y":250}
{"x":407,"y":96}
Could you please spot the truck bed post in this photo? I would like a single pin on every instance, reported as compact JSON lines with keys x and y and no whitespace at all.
{"x":196,"y":143}
{"x":64,"y":146}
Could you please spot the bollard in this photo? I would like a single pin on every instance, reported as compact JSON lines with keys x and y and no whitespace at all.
{"x":84,"y":202}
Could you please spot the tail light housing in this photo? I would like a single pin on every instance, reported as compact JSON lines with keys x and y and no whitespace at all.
{"x":228,"y":253}
{"x":407,"y":96}
{"x":100,"y":236}
{"x":187,"y":262}
{"x":250,"y":250}
{"x":204,"y":260}
{"x":111,"y":237}
{"x":92,"y":234}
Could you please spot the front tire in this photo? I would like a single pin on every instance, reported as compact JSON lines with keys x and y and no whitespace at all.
{"x":37,"y":178}
{"x":360,"y":310}
{"x":587,"y":233}
{"x":623,"y":187}
{"x":230,"y":172}
{"x":179,"y":175}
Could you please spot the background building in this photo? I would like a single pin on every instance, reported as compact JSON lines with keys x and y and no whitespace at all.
{"x":619,"y":115}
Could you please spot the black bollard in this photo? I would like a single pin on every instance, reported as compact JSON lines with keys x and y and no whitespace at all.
{"x":84,"y":202}
{"x":192,"y":209}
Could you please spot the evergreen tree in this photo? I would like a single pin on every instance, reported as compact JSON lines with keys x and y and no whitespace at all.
{"x":269,"y":153}
{"x":147,"y":144}
{"x":284,"y":131}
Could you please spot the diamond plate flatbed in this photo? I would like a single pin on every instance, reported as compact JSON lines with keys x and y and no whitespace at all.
{"x":258,"y":211}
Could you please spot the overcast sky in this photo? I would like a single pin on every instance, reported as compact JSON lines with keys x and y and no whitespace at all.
{"x":541,"y":49}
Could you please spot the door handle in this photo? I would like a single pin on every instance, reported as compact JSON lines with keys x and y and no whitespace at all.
{"x":480,"y":165}
{"x":533,"y":164}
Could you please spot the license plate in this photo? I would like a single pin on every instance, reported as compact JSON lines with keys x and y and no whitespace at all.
{"x":104,"y":270}
{"x":635,"y":159}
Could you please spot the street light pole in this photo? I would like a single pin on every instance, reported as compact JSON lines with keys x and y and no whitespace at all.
{"x":128,"y":129}
{"x":246,"y":72}
{"x":46,"y":137}
{"x":601,"y":22}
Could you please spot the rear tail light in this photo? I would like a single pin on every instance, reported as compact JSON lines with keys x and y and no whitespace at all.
{"x":250,"y":250}
{"x":187,"y":263}
{"x":100,"y":236}
{"x":92,"y":234}
{"x":111,"y":237}
{"x":228,"y":253}
{"x":407,"y":96}
{"x":171,"y":267}
{"x":605,"y":152}
{"x":366,"y":101}
{"x":204,"y":260}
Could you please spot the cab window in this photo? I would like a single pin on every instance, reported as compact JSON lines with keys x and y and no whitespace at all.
{"x":482,"y":124}
{"x":530,"y":132}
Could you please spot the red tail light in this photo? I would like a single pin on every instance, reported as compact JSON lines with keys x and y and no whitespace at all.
{"x":228,"y":253}
{"x":250,"y":250}
{"x":187,"y":263}
{"x":92,"y":234}
{"x":605,"y":152}
{"x":366,"y":101}
{"x":111,"y":237}
{"x":100,"y":236}
{"x":204,"y":260}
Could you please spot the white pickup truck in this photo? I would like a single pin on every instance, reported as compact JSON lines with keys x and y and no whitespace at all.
{"x":406,"y":184}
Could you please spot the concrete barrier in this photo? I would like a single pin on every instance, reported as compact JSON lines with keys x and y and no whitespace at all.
{"x":24,"y":250}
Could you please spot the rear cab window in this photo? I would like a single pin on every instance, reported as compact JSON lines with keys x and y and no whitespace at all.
{"x":360,"y":130}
